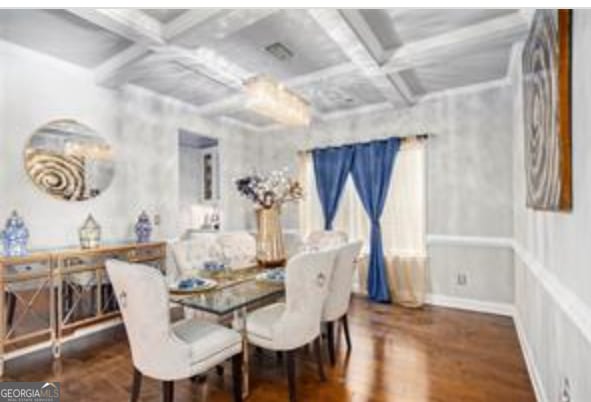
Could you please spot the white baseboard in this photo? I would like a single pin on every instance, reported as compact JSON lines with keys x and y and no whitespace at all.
{"x":528,"y":356}
{"x":480,"y":306}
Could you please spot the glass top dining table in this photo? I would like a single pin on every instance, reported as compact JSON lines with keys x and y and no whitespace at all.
{"x":234,"y":291}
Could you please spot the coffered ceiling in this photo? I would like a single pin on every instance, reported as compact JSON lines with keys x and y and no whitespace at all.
{"x":343,"y":62}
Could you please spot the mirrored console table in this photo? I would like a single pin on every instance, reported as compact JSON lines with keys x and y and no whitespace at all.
{"x":51,"y":296}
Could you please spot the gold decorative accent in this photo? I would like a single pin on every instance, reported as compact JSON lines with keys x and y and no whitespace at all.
{"x":270,"y":248}
{"x":69,"y":160}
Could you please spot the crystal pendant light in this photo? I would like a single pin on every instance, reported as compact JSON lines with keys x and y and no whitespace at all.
{"x":270,"y":98}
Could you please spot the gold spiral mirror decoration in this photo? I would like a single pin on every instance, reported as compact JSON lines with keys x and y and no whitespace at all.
{"x":69,"y":161}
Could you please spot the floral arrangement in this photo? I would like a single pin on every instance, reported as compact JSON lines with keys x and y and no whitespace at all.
{"x":269,"y":190}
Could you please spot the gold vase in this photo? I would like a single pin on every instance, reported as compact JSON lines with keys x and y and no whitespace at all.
{"x":270,"y":248}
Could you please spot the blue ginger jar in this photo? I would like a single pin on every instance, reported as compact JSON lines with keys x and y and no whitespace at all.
{"x":143,"y":228}
{"x":15,"y":236}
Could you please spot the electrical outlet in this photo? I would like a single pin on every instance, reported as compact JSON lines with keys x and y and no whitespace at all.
{"x":462,"y":279}
{"x":156,"y":219}
{"x":565,"y":393}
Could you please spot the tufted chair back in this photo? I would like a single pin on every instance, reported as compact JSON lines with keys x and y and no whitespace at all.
{"x":143,"y":300}
{"x":321,"y":239}
{"x":341,"y":283}
{"x":307,"y":280}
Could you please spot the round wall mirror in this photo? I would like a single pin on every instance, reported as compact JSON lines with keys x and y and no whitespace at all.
{"x":69,"y":160}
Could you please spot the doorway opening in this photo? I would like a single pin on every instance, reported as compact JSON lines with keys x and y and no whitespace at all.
{"x":199,"y":182}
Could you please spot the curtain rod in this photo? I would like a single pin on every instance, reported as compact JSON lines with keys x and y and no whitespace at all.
{"x":421,"y":136}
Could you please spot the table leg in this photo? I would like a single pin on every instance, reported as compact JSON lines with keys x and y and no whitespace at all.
{"x":241,"y":318}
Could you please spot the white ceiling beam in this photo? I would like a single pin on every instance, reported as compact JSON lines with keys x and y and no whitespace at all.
{"x":337,"y":28}
{"x":371,"y":108}
{"x":369,"y":38}
{"x":461,"y":41}
{"x":202,"y":23}
{"x":365,"y":33}
{"x":130,"y":23}
{"x":225,"y":23}
{"x":108,"y":72}
{"x":188,"y":20}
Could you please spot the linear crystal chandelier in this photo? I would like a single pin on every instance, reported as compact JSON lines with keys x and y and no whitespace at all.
{"x":270,"y":98}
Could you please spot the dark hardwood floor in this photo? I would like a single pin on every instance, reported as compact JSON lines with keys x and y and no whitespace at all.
{"x":433,"y":354}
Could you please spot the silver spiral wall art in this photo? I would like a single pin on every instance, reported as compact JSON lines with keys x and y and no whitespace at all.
{"x":69,"y":161}
{"x":547,"y":111}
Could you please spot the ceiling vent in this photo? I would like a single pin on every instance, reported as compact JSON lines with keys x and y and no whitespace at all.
{"x":279,"y":51}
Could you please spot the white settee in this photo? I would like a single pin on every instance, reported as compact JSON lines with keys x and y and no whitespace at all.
{"x":238,"y":248}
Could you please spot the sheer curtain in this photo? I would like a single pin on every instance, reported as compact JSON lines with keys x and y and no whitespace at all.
{"x":403,"y":221}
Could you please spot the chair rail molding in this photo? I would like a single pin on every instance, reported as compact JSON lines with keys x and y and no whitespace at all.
{"x":475,"y":241}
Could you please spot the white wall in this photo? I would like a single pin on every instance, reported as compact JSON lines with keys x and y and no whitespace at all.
{"x":552,"y":262}
{"x":469,"y":181}
{"x":143,"y":130}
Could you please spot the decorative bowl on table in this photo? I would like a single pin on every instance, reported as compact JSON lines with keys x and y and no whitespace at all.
{"x":192,"y":285}
{"x":273,"y":275}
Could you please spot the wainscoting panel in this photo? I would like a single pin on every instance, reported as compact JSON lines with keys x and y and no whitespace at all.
{"x":474,"y":269}
{"x":554,"y":328}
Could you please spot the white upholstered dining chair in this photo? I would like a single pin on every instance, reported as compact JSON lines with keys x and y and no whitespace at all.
{"x":285,"y":327}
{"x":162,"y":350}
{"x":321,"y":239}
{"x":339,"y":294}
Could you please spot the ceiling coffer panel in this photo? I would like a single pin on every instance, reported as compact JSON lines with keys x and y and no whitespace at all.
{"x":342,"y":92}
{"x":394,"y":27}
{"x":487,"y":65}
{"x":164,"y":15}
{"x":61,"y":34}
{"x":285,"y":44}
{"x":171,"y":78}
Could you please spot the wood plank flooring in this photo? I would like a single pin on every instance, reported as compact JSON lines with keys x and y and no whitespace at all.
{"x":399,"y":355}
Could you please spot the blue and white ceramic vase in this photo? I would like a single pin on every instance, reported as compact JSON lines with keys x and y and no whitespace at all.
{"x":143,"y":228}
{"x":15,"y":236}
